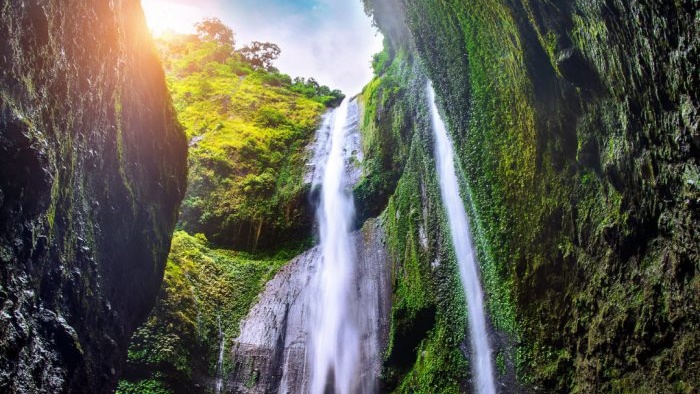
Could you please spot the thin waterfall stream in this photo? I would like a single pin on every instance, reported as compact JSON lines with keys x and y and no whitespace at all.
{"x":464,"y":251}
{"x":220,"y":360}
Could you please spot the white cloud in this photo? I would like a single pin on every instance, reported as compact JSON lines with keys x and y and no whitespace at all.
{"x":332,"y":41}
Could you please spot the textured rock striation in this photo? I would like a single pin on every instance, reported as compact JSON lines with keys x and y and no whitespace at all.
{"x":92,"y":170}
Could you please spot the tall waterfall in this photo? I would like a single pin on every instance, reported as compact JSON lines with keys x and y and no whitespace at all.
{"x":464,"y":251}
{"x":335,"y":352}
{"x":322,"y":323}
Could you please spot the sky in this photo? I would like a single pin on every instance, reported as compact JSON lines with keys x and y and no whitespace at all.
{"x":330,"y":40}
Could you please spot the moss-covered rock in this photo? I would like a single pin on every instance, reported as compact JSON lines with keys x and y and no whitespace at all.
{"x":246,"y":202}
{"x":575,"y":125}
{"x":428,"y":322}
{"x":92,"y":171}
{"x":205,"y":294}
{"x":248,"y":128}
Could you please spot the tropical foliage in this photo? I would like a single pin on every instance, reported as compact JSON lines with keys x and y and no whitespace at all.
{"x":248,"y":126}
{"x":205,"y":293}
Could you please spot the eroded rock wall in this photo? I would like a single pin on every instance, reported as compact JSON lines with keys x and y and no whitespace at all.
{"x":92,"y":170}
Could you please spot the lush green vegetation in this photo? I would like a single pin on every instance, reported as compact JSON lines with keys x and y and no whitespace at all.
{"x":92,"y":172}
{"x":248,"y":126}
{"x":581,"y":182}
{"x":205,"y":292}
{"x":386,"y":131}
{"x":428,"y":318}
{"x":576,"y":173}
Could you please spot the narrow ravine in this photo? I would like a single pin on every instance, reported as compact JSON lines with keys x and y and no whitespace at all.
{"x":464,"y":251}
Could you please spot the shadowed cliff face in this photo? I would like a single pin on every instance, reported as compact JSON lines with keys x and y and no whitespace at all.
{"x":576,"y":127}
{"x":92,"y":170}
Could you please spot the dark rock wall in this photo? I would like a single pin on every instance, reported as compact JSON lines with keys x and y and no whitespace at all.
{"x":576,"y":126}
{"x":92,"y":170}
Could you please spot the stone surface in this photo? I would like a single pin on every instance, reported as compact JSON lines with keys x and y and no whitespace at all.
{"x":92,"y":170}
{"x":270,"y":354}
{"x":320,"y":148}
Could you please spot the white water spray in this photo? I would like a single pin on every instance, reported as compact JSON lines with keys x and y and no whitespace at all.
{"x":464,"y":251}
{"x":335,"y":338}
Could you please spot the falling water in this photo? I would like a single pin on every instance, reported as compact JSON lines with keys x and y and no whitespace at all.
{"x":220,"y":361}
{"x":335,"y":338}
{"x":468,"y":269}
{"x":319,"y":149}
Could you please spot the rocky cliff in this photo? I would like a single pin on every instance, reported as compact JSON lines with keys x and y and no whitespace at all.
{"x":272,"y":352}
{"x":576,"y":127}
{"x":92,"y":170}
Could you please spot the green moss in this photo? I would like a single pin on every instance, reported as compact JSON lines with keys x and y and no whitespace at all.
{"x":440,"y":366}
{"x":428,"y":313}
{"x":248,"y":130}
{"x":428,"y":320}
{"x":146,"y":386}
{"x":501,"y":363}
{"x":388,"y":106}
{"x":123,"y":163}
{"x":204,"y":289}
{"x":579,"y":184}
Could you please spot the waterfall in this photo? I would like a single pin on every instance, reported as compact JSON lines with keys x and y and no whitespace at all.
{"x":220,"y":361}
{"x":335,"y":339}
{"x":322,"y":323}
{"x":464,"y":251}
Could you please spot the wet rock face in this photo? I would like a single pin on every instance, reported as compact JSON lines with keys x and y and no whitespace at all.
{"x":576,"y":126}
{"x":92,"y":170}
{"x":272,"y":352}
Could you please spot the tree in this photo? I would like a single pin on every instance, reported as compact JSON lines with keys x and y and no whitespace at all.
{"x":260,"y":54}
{"x":312,"y":83}
{"x":213,"y":29}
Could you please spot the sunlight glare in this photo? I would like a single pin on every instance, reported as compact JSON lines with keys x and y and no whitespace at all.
{"x":167,"y":16}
